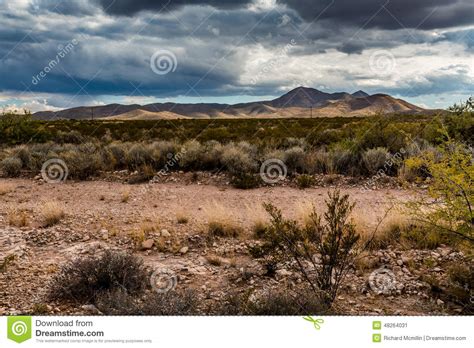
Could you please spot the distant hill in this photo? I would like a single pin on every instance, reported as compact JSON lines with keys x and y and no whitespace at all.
{"x":299,"y":102}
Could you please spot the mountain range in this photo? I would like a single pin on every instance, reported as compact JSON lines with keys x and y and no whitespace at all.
{"x":299,"y":102}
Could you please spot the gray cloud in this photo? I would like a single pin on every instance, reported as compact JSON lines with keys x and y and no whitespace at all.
{"x":387,"y":14}
{"x":70,"y":8}
{"x":130,"y":7}
{"x":451,"y":79}
{"x":215,"y":47}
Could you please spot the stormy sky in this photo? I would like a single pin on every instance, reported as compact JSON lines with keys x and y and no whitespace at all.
{"x":59,"y":54}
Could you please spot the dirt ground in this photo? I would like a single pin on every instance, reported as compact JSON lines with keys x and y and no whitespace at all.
{"x":101,"y":215}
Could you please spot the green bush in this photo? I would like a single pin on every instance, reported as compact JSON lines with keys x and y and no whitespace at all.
{"x":295,"y":159}
{"x":24,"y":154}
{"x":344,"y":162}
{"x":333,"y":239}
{"x":211,"y":156}
{"x":82,"y":165}
{"x":318,"y":162}
{"x":119,"y":302}
{"x":246,"y":181}
{"x":238,"y":159}
{"x":375,"y":159}
{"x":304,"y":181}
{"x":11,"y":166}
{"x":273,"y":302}
{"x":192,"y":158}
{"x":138,"y":155}
{"x":118,"y":152}
{"x":85,"y":279}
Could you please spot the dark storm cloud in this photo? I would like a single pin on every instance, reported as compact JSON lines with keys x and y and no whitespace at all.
{"x":70,"y":8}
{"x":387,"y":14}
{"x":215,"y":46}
{"x":130,"y":7}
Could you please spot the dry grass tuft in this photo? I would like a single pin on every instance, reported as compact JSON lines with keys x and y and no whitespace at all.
{"x":391,"y":229}
{"x":5,"y":188}
{"x":125,"y":196}
{"x":51,"y":213}
{"x":181,"y":217}
{"x":259,"y":220}
{"x":148,"y":227}
{"x":137,"y":236}
{"x":215,"y":260}
{"x":221,"y":222}
{"x":303,"y":211}
{"x":18,"y":218}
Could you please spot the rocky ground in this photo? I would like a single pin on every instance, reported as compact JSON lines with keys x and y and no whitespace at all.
{"x":166,"y":224}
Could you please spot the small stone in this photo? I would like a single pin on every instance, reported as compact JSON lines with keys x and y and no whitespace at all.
{"x":439,"y":302}
{"x":282,"y":273}
{"x":405,"y":259}
{"x":91,"y":309}
{"x":400,"y":262}
{"x":184,"y":250}
{"x":148,"y":244}
{"x":445,"y":252}
{"x":165,"y":233}
{"x":104,"y":233}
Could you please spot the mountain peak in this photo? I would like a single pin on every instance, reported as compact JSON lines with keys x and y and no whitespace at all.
{"x":304,"y":97}
{"x":360,"y":94}
{"x":291,"y":104}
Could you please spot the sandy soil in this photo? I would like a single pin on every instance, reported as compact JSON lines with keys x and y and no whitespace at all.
{"x":90,"y":203}
{"x":110,"y":215}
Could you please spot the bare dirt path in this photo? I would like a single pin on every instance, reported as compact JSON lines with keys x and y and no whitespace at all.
{"x":90,"y":202}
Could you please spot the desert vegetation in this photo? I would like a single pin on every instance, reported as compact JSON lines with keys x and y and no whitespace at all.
{"x":381,"y":146}
{"x":367,"y":216}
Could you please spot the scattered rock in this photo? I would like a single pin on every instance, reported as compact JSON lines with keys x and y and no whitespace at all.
{"x":184,"y":250}
{"x":147,"y":244}
{"x":91,"y":309}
